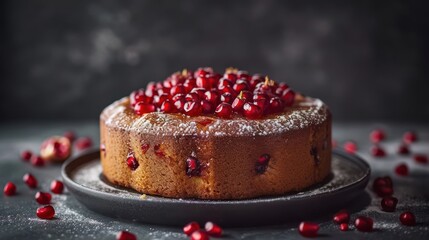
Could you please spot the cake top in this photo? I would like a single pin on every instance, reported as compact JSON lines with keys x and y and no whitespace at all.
{"x":208,"y":93}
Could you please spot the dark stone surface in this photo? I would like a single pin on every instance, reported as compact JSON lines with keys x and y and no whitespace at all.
{"x":70,"y":59}
{"x":73,"y":221}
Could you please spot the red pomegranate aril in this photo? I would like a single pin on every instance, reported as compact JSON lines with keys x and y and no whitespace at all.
{"x":407,"y":219}
{"x":262,"y":104}
{"x":168,"y":106}
{"x":193,"y":166}
{"x":203,"y":82}
{"x":247,"y":95}
{"x":385,"y":191}
{"x":226,"y":98}
{"x":255,"y":81}
{"x":243,"y":75}
{"x":213,"y":229}
{"x":145,"y":147}
{"x":132,"y":162}
{"x":212,"y":96}
{"x":70,"y":135}
{"x":199,"y":235}
{"x":223,"y":82}
{"x":308,"y":229}
{"x":46,"y":212}
{"x":141,"y":108}
{"x":83,"y":143}
{"x":179,"y":96}
{"x":344,"y":227}
{"x":421,"y":158}
{"x":57,"y":187}
{"x":191,"y":227}
{"x":260,"y":96}
{"x":350,"y":147}
{"x":240,"y":86}
{"x":37,"y":161}
{"x":401,"y":169}
{"x":377,"y":151}
{"x":30,"y":180}
{"x":200,"y":91}
{"x":9,"y":189}
{"x":227,"y":89}
{"x":158,"y":100}
{"x":224,"y":110}
{"x":189,"y":84}
{"x":409,"y":137}
{"x":201,"y":72}
{"x":179,"y":89}
{"x":192,"y":108}
{"x":262,"y":163}
{"x":124,"y":235}
{"x":252,"y":111}
{"x":207,"y":107}
{"x":158,"y":151}
{"x":364,"y":224}
{"x":342,"y":216}
{"x":288,"y":97}
{"x":26,"y":155}
{"x":180,"y":105}
{"x":403,"y":149}
{"x":275,"y":105}
{"x":192,"y":96}
{"x":383,"y":186}
{"x":237,"y":104}
{"x":230,"y":76}
{"x":43,"y":197}
{"x":377,"y":136}
{"x":388,"y":204}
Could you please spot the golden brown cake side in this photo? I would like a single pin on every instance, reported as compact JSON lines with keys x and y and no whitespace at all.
{"x":298,"y":142}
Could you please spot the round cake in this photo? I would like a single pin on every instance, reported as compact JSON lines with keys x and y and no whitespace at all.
{"x":205,"y":135}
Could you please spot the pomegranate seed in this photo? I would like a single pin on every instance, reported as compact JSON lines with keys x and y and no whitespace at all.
{"x":192,"y":108}
{"x":200,"y":91}
{"x":223,"y":82}
{"x":350,"y":147}
{"x":402,"y":169}
{"x":168,"y":106}
{"x":132,"y":162}
{"x":243,"y":75}
{"x":37,"y":161}
{"x":199,"y":235}
{"x":124,"y":235}
{"x":308,"y":229}
{"x":344,"y":227}
{"x":227,"y":89}
{"x":364,"y":224}
{"x":207,"y":107}
{"x":157,"y":101}
{"x":142,"y":108}
{"x":9,"y":189}
{"x":213,"y":229}
{"x":288,"y":97}
{"x":275,"y":105}
{"x":226,"y":98}
{"x":238,"y":103}
{"x":158,"y":151}
{"x":377,"y":136}
{"x":224,"y":110}
{"x":177,"y":89}
{"x":403,"y":149}
{"x":83,"y":143}
{"x":70,"y":135}
{"x":179,"y":96}
{"x":189,"y":84}
{"x":192,"y":96}
{"x":409,"y":137}
{"x":262,"y":163}
{"x":193,"y":167}
{"x":30,"y":180}
{"x":230,"y":76}
{"x":240,"y":86}
{"x":382,"y":182}
{"x":252,"y":111}
{"x":26,"y":155}
{"x":180,"y":105}
{"x":421,"y":158}
{"x":377,"y":151}
{"x":212,"y":96}
{"x":57,"y":187}
{"x":342,"y":216}
{"x":145,"y":147}
{"x":46,"y":212}
{"x":203,"y":82}
{"x":43,"y":197}
{"x":191,"y":227}
{"x":388,"y":204}
{"x":407,"y":219}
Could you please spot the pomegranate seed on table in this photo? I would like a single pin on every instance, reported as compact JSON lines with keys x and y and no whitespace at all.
{"x":199,"y":235}
{"x":43,"y":197}
{"x":421,"y":158}
{"x":308,"y":229}
{"x":403,"y":149}
{"x":124,"y":235}
{"x":383,"y":186}
{"x":30,"y":180}
{"x":9,"y":189}
{"x":409,"y":137}
{"x":57,"y":187}
{"x":377,"y":151}
{"x":213,"y":229}
{"x":26,"y":155}
{"x":344,"y":227}
{"x":37,"y":161}
{"x":191,"y":227}
{"x":83,"y":143}
{"x":350,"y":147}
{"x":364,"y":224}
{"x":388,"y":204}
{"x":377,"y":136}
{"x":342,"y":216}
{"x":407,"y":219}
{"x":402,"y":169}
{"x":46,"y":212}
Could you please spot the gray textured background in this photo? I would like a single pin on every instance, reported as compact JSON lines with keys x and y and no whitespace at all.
{"x":68,"y":59}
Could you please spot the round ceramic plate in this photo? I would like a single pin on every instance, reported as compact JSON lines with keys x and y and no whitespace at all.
{"x":84,"y":179}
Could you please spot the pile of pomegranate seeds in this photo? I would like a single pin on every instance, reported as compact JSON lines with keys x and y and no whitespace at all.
{"x":124,"y":235}
{"x":193,"y":230}
{"x":207,"y":92}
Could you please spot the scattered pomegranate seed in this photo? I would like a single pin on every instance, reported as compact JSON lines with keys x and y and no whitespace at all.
{"x":141,"y":108}
{"x":407,"y":219}
{"x":9,"y":189}
{"x":145,"y":147}
{"x":224,"y":110}
{"x":37,"y":161}
{"x":403,"y":149}
{"x":364,"y":224}
{"x":57,"y":187}
{"x":421,"y":158}
{"x":377,"y":136}
{"x":308,"y":229}
{"x":402,"y":169}
{"x":388,"y":204}
{"x":199,"y":235}
{"x":383,"y":186}
{"x":193,"y":166}
{"x":124,"y":235}
{"x":83,"y":143}
{"x":344,"y":227}
{"x":213,"y":229}
{"x":46,"y":212}
{"x":350,"y":147}
{"x":409,"y":137}
{"x":377,"y":151}
{"x":191,"y":227}
{"x":43,"y":197}
{"x":26,"y":155}
{"x":262,"y":163}
{"x":342,"y":216}
{"x":70,"y":135}
{"x":158,"y":151}
{"x":30,"y":180}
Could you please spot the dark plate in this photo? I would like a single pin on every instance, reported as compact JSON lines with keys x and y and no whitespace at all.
{"x":83,"y":178}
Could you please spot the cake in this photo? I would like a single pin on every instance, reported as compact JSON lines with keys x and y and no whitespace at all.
{"x":204,"y":135}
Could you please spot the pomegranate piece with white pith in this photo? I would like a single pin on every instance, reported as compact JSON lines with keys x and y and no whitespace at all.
{"x":55,"y":149}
